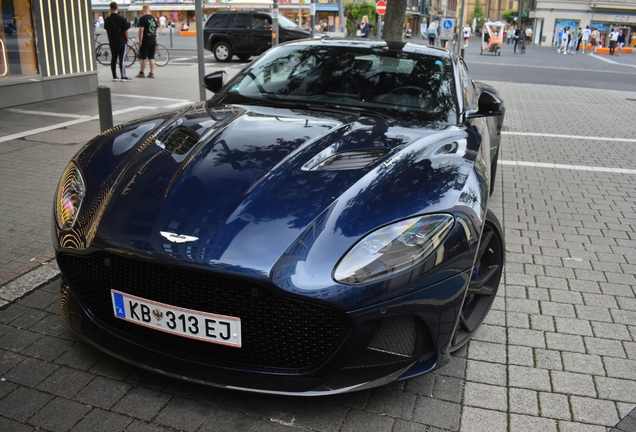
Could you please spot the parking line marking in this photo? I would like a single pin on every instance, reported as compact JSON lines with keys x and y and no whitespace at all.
{"x":568,"y":167}
{"x":69,"y":123}
{"x":606,"y":60}
{"x":178,"y":104}
{"x":46,"y":113}
{"x":150,"y":97}
{"x":581,"y":137}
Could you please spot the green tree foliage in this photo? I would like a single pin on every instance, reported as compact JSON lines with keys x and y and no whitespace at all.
{"x":510,"y":15}
{"x":477,"y":13}
{"x":354,"y":13}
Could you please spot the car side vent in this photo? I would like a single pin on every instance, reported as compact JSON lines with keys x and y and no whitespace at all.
{"x":344,"y":161}
{"x":180,"y":140}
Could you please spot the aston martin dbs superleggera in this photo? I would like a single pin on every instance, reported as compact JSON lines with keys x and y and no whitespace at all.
{"x":320,"y":225}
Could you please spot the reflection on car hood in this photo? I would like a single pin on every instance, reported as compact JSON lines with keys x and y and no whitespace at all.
{"x":243,"y":187}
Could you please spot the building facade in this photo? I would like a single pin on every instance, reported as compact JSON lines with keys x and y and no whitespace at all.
{"x":46,"y":50}
{"x":552,"y":15}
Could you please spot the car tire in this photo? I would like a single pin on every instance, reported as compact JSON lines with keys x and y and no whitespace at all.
{"x":243,"y":57}
{"x":222,"y":52}
{"x":484,"y":283}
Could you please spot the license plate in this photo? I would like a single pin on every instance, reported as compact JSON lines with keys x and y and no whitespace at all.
{"x":203,"y":326}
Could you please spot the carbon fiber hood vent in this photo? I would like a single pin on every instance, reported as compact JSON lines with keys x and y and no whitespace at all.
{"x":179,"y":140}
{"x":327,"y":160}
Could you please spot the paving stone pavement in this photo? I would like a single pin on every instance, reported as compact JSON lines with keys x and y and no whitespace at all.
{"x":557,"y":352}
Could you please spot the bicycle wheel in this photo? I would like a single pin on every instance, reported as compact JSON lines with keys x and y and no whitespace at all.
{"x":162,"y":55}
{"x":103,"y":54}
{"x":131,"y":57}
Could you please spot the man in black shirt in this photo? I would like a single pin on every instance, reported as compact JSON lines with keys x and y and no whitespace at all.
{"x":117,"y":28}
{"x":148,"y":41}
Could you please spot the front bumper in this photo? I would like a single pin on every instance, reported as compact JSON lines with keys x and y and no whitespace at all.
{"x":403,"y":337}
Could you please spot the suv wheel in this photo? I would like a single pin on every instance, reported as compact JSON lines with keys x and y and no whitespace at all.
{"x":222,"y":51}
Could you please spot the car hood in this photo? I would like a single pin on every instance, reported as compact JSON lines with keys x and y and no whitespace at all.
{"x":239,"y":188}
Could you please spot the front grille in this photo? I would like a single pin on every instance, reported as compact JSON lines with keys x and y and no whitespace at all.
{"x":277,"y":332}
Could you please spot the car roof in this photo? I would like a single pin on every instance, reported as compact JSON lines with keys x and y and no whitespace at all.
{"x":227,"y":12}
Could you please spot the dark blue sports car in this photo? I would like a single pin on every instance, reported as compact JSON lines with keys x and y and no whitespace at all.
{"x":320,"y":225}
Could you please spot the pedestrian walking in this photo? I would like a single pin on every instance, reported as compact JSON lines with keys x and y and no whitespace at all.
{"x":517,"y":34}
{"x":595,"y":38}
{"x":432,"y":34}
{"x":621,"y":42}
{"x":466,"y":33}
{"x":565,"y":40}
{"x":407,"y":31}
{"x":509,"y":35}
{"x":116,"y":27}
{"x":365,"y":28}
{"x":613,"y":40}
{"x":576,"y":35}
{"x":147,"y":41}
{"x":585,"y":37}
{"x":162,"y":24}
{"x":528,"y":35}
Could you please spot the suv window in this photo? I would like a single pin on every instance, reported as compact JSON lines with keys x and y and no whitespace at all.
{"x":217,"y":21}
{"x":242,"y":20}
{"x":260,"y":22}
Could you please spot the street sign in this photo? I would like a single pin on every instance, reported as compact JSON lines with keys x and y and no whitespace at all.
{"x":380,"y":7}
{"x":448,"y":28}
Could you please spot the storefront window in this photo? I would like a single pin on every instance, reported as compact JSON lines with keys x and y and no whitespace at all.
{"x":17,"y":46}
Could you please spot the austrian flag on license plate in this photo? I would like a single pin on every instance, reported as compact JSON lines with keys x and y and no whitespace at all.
{"x":203,"y":326}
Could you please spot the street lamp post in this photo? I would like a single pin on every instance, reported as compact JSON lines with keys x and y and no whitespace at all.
{"x":275,"y":24}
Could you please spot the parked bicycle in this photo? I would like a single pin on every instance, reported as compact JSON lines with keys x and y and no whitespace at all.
{"x":102,"y":51}
{"x":104,"y":55}
{"x":162,"y":55}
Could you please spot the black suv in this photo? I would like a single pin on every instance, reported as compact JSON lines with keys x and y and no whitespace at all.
{"x":246,"y":33}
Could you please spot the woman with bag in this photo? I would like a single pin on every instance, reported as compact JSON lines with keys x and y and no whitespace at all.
{"x":365,"y":27}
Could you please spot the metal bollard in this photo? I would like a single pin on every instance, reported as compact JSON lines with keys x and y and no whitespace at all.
{"x":105,"y":108}
{"x":170,"y":35}
{"x":461,"y":53}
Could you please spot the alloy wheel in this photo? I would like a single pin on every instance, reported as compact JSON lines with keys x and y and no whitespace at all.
{"x":484,"y":283}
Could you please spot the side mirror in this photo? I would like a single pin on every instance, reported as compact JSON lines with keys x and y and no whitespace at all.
{"x":488,"y":105}
{"x":214,"y":81}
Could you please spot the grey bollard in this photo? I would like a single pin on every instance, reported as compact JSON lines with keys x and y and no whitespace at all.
{"x":170,"y":35}
{"x":105,"y":108}
{"x":461,"y":53}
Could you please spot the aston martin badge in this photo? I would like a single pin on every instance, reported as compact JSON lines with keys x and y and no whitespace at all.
{"x":177,"y":238}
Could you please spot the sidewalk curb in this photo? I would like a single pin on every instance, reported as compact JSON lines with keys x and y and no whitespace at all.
{"x":28,"y":282}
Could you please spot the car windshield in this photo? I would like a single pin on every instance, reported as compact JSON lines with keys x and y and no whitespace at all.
{"x":285,"y":22}
{"x":395,"y":83}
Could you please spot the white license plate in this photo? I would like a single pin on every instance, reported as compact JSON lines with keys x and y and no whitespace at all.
{"x":203,"y":326}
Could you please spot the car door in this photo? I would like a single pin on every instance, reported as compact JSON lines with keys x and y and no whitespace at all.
{"x":261,"y":33}
{"x":240,"y":34}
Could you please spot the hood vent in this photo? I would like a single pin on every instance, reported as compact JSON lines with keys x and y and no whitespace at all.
{"x":180,"y":140}
{"x":350,"y":160}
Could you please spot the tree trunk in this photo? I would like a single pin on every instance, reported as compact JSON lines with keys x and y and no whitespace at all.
{"x":394,"y":20}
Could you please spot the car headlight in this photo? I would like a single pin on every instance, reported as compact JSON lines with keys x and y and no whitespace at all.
{"x":393,"y":248}
{"x":70,"y":194}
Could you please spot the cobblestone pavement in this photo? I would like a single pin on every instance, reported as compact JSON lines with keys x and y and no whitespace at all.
{"x":557,"y":352}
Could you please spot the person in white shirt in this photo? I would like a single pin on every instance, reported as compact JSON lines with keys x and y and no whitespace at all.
{"x":565,"y":40}
{"x":613,"y":37}
{"x":466,"y":32}
{"x":162,"y":24}
{"x":585,"y":37}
